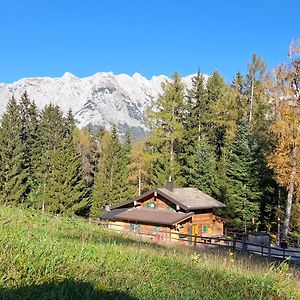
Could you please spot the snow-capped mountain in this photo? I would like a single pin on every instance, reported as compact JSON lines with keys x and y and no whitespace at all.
{"x":97,"y":101}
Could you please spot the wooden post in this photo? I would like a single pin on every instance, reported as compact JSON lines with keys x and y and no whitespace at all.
{"x":244,"y":246}
{"x":195,"y":240}
{"x":269,"y":251}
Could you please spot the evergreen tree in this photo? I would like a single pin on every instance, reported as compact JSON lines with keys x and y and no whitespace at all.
{"x":31,"y":144}
{"x":203,"y":168}
{"x":52,"y":128}
{"x":65,"y":190}
{"x":238,"y":90}
{"x":13,"y":174}
{"x":52,"y":131}
{"x":70,"y":123}
{"x":107,"y":186}
{"x":197,"y":109}
{"x":195,"y":122}
{"x":243,"y":193}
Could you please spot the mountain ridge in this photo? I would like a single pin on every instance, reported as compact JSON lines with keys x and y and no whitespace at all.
{"x":99,"y":100}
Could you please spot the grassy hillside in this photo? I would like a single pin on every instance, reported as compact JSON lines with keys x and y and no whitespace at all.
{"x":45,"y":257}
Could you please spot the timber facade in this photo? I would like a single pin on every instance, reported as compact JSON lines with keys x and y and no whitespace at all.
{"x":168,"y":214}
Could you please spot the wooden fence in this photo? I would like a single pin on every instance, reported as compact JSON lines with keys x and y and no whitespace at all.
{"x":244,"y":246}
{"x":292,"y":255}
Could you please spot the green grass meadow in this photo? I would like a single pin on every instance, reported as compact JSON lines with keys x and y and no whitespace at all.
{"x":44,"y":257}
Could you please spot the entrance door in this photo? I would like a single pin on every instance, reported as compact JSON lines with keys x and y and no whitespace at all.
{"x":193,"y":230}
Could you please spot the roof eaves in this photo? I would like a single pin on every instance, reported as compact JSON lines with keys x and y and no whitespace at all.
{"x":206,"y":207}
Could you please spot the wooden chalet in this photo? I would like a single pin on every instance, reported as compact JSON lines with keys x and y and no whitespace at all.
{"x":168,"y":213}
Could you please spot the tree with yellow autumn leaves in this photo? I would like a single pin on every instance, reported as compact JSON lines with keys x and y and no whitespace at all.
{"x":285,"y":160}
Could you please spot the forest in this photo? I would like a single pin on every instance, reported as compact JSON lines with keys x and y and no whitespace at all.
{"x":238,"y":142}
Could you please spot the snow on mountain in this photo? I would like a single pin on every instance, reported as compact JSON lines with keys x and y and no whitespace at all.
{"x":97,"y":101}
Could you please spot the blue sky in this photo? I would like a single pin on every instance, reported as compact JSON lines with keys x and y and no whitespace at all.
{"x":48,"y":38}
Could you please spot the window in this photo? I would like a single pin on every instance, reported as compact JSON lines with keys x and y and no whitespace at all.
{"x":204,"y":228}
{"x":150,"y":205}
{"x":134,"y":228}
{"x":156,"y":229}
{"x":131,"y":227}
{"x":137,"y":228}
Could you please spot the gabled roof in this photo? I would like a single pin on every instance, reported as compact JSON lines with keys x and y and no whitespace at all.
{"x":146,"y":215}
{"x":192,"y":198}
{"x":186,"y":198}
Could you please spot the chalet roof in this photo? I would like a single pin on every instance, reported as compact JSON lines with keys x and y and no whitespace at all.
{"x":186,"y":198}
{"x":192,"y":198}
{"x":146,"y":215}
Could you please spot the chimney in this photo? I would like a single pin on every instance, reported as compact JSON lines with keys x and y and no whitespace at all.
{"x":169,"y":186}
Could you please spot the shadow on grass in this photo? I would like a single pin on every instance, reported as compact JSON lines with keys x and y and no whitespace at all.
{"x":65,"y":290}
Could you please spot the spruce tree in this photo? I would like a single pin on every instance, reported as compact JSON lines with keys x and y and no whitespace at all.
{"x":65,"y":189}
{"x":29,"y":119}
{"x":243,"y":191}
{"x":239,"y":92}
{"x":196,"y":112}
{"x":203,"y":168}
{"x":14,"y":174}
{"x":194,"y":121}
{"x":107,"y":188}
{"x":51,"y":134}
{"x":70,"y":123}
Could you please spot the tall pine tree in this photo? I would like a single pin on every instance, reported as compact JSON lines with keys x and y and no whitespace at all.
{"x":243,"y":192}
{"x":14,"y":172}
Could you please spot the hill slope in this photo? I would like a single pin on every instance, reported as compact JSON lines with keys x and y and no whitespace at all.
{"x":44,"y":257}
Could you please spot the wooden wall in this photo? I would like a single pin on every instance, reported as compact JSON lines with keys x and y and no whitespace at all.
{"x":212,"y":223}
{"x":162,"y":233}
{"x":205,"y":218}
{"x":165,"y":233}
{"x":160,"y":203}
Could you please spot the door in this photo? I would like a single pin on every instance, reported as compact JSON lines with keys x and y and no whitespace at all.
{"x":137,"y":228}
{"x":193,"y":230}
